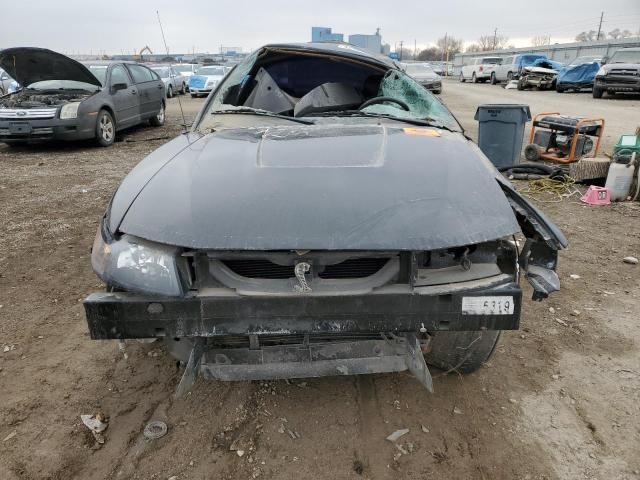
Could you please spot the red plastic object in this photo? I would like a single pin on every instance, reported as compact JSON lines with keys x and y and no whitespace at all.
{"x":597,"y":196}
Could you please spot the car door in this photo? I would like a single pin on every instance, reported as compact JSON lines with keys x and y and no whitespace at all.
{"x":503,"y":69}
{"x":150,"y":87}
{"x":125,"y":97}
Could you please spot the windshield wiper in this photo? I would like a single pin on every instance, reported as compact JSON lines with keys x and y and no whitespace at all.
{"x":264,"y":113}
{"x":427,"y":122}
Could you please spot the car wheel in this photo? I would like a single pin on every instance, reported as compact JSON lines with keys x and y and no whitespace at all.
{"x":532,"y":152}
{"x":170,"y":91}
{"x":559,"y":89}
{"x":521,"y":84}
{"x":158,"y":120}
{"x":597,"y":92}
{"x":437,"y":92}
{"x":183,"y":89}
{"x":194,"y":95}
{"x":105,"y":129}
{"x":509,"y":76}
{"x":474,"y":79}
{"x":462,"y":352}
{"x":462,"y":80}
{"x":493,"y":79}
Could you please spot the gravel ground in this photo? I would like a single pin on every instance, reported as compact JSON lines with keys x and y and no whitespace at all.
{"x":559,"y":400}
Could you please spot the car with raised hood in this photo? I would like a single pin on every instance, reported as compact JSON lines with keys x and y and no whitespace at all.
{"x":206,"y":79}
{"x":425,"y":75}
{"x":173,"y":80}
{"x":325,"y":215}
{"x":62,"y":99}
{"x":618,"y":74}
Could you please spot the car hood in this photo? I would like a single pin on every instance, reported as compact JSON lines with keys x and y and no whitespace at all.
{"x":29,"y":65}
{"x":426,"y":76}
{"x":338,"y":187}
{"x":622,"y":66}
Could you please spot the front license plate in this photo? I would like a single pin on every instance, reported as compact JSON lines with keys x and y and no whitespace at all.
{"x":502,"y":305}
{"x":19,"y":128}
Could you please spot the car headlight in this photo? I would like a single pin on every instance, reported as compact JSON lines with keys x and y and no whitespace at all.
{"x":69,"y":110}
{"x":211,"y":83}
{"x":136,"y":265}
{"x":601,"y":71}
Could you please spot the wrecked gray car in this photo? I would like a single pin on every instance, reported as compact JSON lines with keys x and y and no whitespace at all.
{"x":62,"y":99}
{"x":326,"y":215}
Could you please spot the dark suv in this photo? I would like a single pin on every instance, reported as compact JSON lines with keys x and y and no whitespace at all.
{"x":621,"y":74}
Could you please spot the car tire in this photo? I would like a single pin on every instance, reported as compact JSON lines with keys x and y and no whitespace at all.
{"x":559,"y":89}
{"x":597,"y":92}
{"x":437,"y":92}
{"x":474,"y":79}
{"x":462,"y":80}
{"x":170,"y":91}
{"x":159,"y":119}
{"x":194,"y":95}
{"x":509,"y":76}
{"x":520,"y":84}
{"x":105,"y":129}
{"x":462,"y":352}
{"x":493,"y":79}
{"x":532,"y":152}
{"x":183,"y":89}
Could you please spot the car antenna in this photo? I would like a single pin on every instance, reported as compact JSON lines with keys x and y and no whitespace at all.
{"x":164,"y":40}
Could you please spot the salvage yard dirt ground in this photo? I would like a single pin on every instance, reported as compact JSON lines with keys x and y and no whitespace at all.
{"x":559,"y":400}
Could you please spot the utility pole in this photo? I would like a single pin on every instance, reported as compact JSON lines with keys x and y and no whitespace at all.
{"x":495,"y":38}
{"x":401,"y":43}
{"x":445,"y":47}
{"x":600,"y":25}
{"x":415,"y":47}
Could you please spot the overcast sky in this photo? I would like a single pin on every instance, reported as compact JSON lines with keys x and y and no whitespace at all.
{"x":117,"y":26}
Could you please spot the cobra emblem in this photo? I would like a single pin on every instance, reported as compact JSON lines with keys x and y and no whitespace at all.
{"x":300,"y":269}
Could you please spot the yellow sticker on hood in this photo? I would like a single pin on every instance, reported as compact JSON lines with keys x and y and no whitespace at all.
{"x":423,"y":132}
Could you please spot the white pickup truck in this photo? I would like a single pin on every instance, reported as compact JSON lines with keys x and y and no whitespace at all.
{"x":479,"y":69}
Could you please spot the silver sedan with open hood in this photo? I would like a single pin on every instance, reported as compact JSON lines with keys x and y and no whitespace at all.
{"x":62,"y":99}
{"x":326,"y":215}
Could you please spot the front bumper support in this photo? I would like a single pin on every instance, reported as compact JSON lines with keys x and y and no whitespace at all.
{"x":120,"y":316}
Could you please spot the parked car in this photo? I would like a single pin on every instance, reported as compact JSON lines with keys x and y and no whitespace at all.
{"x":326,"y":215}
{"x":480,"y":69}
{"x":577,"y":77}
{"x":62,"y":99}
{"x":619,"y":74}
{"x":511,"y":67}
{"x":5,"y":82}
{"x":424,"y":74}
{"x":173,"y":80}
{"x":186,"y":70}
{"x":205,"y":79}
{"x":541,"y":74}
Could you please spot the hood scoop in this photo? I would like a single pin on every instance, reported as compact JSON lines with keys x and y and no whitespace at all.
{"x":324,"y":146}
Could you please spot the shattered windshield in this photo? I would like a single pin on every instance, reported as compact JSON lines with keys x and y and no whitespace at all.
{"x":298,"y":86}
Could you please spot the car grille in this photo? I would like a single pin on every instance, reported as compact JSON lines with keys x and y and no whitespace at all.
{"x":621,"y":79}
{"x":42,"y":131}
{"x":350,"y":268}
{"x":27,"y":114}
{"x":242,"y":341}
{"x":623,"y":71}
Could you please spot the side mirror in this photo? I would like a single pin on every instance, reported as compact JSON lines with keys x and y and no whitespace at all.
{"x":604,"y":60}
{"x":118,"y":86}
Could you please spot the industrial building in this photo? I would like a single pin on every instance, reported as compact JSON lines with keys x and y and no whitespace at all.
{"x":560,"y":52}
{"x":324,"y":34}
{"x":371,"y":43}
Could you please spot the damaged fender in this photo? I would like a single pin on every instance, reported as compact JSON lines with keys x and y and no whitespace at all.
{"x":539,"y":257}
